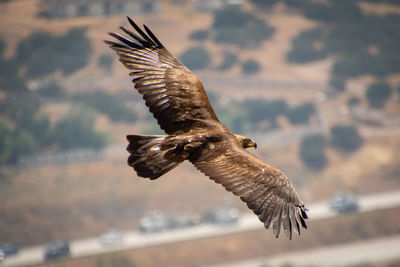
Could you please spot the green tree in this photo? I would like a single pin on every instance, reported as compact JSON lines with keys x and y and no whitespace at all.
{"x":312,"y":152}
{"x":41,"y":53}
{"x":196,"y":58}
{"x":4,"y":135}
{"x":345,"y":138}
{"x":110,"y":105}
{"x":105,"y":62}
{"x":260,"y":110}
{"x":199,"y":35}
{"x":250,"y":67}
{"x":301,"y":114}
{"x":21,"y":143}
{"x":76,"y":131}
{"x":378,"y":94}
{"x":306,"y":50}
{"x":228,"y":61}
{"x":235,"y":26}
{"x":353,"y":101}
{"x":52,"y":90}
{"x":360,"y":43}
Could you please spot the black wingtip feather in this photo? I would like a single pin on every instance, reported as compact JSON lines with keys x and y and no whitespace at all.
{"x":159,"y":44}
{"x":303,"y":223}
{"x":303,"y":213}
{"x":136,"y":27}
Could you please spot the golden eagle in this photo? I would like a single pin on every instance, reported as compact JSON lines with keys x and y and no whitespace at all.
{"x":177,"y":99}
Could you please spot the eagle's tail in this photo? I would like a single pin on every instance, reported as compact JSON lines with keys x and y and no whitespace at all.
{"x":147,"y":156}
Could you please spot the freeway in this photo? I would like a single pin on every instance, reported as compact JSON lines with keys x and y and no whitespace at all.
{"x":134,"y":239}
{"x":354,"y":254}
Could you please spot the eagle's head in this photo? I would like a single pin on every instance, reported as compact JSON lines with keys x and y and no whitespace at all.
{"x":245,"y":141}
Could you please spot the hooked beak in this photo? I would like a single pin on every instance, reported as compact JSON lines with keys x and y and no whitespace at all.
{"x":252,"y":144}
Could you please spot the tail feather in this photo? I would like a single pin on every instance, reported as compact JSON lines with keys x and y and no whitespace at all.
{"x":147,"y":156}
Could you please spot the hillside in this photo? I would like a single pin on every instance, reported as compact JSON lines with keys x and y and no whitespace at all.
{"x":70,"y":201}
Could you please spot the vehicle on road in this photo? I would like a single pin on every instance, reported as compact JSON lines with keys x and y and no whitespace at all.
{"x":161,"y":221}
{"x":56,"y":250}
{"x":112,"y":238}
{"x":222,"y":215}
{"x":343,"y":202}
{"x":9,"y":249}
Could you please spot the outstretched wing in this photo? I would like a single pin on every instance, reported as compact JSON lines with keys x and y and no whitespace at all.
{"x":175,"y":95}
{"x":265,"y":189}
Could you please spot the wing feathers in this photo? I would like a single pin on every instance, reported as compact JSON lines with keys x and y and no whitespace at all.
{"x":149,"y":41}
{"x":265,"y":189}
{"x":152,"y":66}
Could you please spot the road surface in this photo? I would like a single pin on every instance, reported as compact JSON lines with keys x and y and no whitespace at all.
{"x":353,"y":254}
{"x":134,"y":239}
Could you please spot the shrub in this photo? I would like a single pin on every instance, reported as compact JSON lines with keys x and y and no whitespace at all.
{"x":51,"y":89}
{"x":347,"y":34}
{"x":304,"y":49}
{"x":250,"y":67}
{"x":42,"y":53}
{"x":108,"y":104}
{"x":105,"y":62}
{"x":353,"y":101}
{"x":337,"y":83}
{"x":76,"y":131}
{"x":196,"y":58}
{"x":199,"y":35}
{"x":378,"y":94}
{"x":345,"y":138}
{"x":259,"y":110}
{"x":228,"y":61}
{"x":312,"y":152}
{"x":234,"y":26}
{"x":301,"y":113}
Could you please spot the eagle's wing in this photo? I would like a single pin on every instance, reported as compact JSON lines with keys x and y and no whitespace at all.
{"x":175,"y":95}
{"x":265,"y":189}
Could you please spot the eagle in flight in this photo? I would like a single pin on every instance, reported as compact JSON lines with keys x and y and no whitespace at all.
{"x":177,"y":100}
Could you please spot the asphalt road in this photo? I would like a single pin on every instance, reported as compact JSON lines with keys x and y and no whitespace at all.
{"x":353,"y":254}
{"x":134,"y":239}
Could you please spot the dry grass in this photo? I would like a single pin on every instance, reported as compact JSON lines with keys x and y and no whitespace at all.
{"x":84,"y":200}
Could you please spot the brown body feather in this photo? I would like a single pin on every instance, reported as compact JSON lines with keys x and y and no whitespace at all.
{"x":177,"y":99}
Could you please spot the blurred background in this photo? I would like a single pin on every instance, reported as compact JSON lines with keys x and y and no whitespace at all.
{"x":315,"y":83}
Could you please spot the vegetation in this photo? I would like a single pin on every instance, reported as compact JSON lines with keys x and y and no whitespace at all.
{"x":345,"y":138}
{"x":42,"y":53}
{"x":361,"y":43}
{"x":76,"y":131}
{"x":51,"y":89}
{"x":235,"y":26}
{"x":260,"y":110}
{"x":196,"y":58}
{"x":23,"y":129}
{"x":301,"y":114}
{"x":228,"y":61}
{"x":199,"y":35}
{"x":250,"y":66}
{"x":306,"y":47}
{"x":312,"y":152}
{"x":377,"y":94}
{"x":110,"y":105}
{"x":105,"y":62}
{"x":353,"y":101}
